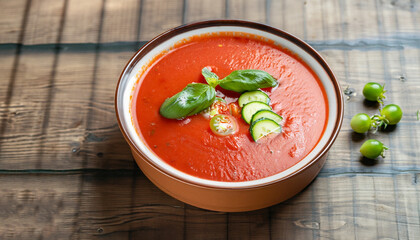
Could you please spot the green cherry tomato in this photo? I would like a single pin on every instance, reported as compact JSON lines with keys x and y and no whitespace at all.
{"x":392,"y":113}
{"x":223,"y":125}
{"x":361,"y":123}
{"x":372,"y":149}
{"x":374,"y":92}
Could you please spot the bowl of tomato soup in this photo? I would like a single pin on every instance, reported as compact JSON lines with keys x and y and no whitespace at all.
{"x":214,"y":154}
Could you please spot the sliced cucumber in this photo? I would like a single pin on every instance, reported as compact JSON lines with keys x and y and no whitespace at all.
{"x":253,"y":96}
{"x":251,"y":108}
{"x":262,"y":127}
{"x":267,"y":114}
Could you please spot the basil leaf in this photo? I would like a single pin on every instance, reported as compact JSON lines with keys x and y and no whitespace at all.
{"x":211,"y":78}
{"x":194,"y":98}
{"x":247,"y":80}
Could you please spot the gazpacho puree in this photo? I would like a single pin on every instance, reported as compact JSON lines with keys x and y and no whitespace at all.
{"x":189,"y":144}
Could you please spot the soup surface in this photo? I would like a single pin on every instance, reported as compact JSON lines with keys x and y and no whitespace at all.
{"x":190,"y":146}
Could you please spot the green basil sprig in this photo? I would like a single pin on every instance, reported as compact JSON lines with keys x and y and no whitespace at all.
{"x":194,"y":98}
{"x":247,"y":80}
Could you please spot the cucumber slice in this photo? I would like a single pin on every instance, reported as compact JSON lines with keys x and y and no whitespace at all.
{"x":253,"y":96}
{"x":251,"y":108}
{"x":267,"y":114}
{"x":262,"y":127}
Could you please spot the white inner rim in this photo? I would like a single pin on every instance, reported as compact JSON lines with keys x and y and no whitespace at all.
{"x":127,"y":84}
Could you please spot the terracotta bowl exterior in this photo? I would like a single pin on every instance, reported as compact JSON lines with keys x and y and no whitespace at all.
{"x":225,"y":197}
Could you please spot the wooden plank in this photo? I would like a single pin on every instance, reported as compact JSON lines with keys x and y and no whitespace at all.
{"x":38,"y":206}
{"x":341,"y":213}
{"x":251,"y":10}
{"x":156,"y":214}
{"x":386,"y":17}
{"x":44,"y":22}
{"x":49,"y":120}
{"x":125,"y":205}
{"x":104,"y":144}
{"x":23,"y":119}
{"x":366,"y":216}
{"x":404,"y":137}
{"x":11,"y":17}
{"x":397,"y":18}
{"x":408,"y":202}
{"x":203,"y":224}
{"x":113,"y":205}
{"x":67,"y":113}
{"x":295,"y":217}
{"x":106,"y":206}
{"x":406,"y":16}
{"x":333,"y":199}
{"x":282,"y":17}
{"x":359,"y":20}
{"x":276,"y":14}
{"x":7,"y":58}
{"x":410,"y":59}
{"x":200,"y":10}
{"x":158,"y":16}
{"x":331,"y":20}
{"x":250,"y":225}
{"x":31,"y":140}
{"x":386,"y":208}
{"x":121,"y":21}
{"x":337,"y":207}
{"x":314,"y":16}
{"x":83,"y":21}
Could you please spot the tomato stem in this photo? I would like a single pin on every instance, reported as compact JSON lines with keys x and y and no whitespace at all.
{"x":383,"y":151}
{"x":379,"y":121}
{"x":381,"y":97}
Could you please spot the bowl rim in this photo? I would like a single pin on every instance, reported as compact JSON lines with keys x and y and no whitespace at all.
{"x":234,"y":23}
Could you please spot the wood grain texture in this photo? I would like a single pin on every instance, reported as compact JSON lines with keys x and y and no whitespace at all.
{"x":7,"y":61}
{"x":11,"y":20}
{"x":201,"y":224}
{"x":128,"y":203}
{"x":23,"y":123}
{"x":251,"y":225}
{"x":44,"y":21}
{"x":252,"y":10}
{"x":38,"y":206}
{"x":121,"y":21}
{"x":158,"y":16}
{"x":104,"y":145}
{"x":125,"y":205}
{"x":199,"y":10}
{"x":281,"y":16}
{"x":82,"y":22}
{"x":314,"y":20}
{"x":67,"y":114}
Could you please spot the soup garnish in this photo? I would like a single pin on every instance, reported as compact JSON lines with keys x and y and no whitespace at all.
{"x":199,"y":97}
{"x":196,"y":97}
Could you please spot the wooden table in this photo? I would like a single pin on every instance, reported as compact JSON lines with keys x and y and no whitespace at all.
{"x":67,"y":173}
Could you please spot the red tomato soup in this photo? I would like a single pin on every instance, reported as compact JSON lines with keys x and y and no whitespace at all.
{"x":190,"y":146}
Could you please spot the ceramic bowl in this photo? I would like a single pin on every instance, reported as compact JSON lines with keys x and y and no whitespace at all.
{"x":217,"y":195}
